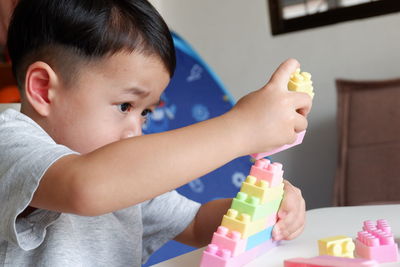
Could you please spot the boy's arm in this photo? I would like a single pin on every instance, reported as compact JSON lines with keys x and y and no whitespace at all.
{"x":133,"y":170}
{"x":206,"y":222}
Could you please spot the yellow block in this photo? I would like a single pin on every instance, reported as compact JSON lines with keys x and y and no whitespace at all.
{"x":259,"y":188}
{"x":241,"y":223}
{"x":301,"y":82}
{"x":339,"y":246}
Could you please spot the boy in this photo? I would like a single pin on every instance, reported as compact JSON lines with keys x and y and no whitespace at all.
{"x":80,"y":185}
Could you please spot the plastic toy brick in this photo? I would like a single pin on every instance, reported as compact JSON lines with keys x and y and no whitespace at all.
{"x":230,"y":240}
{"x":299,"y":140}
{"x":376,"y":242}
{"x":260,"y":189}
{"x":341,"y":246}
{"x":241,"y":222}
{"x":250,"y":205}
{"x":259,"y":238}
{"x":264,"y":170}
{"x":301,"y":82}
{"x":215,"y":257}
{"x":331,"y":261}
{"x":271,"y":220}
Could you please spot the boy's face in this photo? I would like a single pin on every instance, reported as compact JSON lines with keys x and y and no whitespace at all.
{"x":109,"y":101}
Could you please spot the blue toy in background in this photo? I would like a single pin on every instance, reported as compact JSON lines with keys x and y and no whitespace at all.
{"x":195,"y":94}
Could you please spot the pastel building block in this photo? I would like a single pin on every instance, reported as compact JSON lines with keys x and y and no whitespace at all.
{"x":263,"y":169}
{"x":271,"y":220}
{"x":241,"y":223}
{"x":230,"y":240}
{"x":215,"y":257}
{"x":259,"y":238}
{"x":260,"y":189}
{"x":250,"y":205}
{"x":376,"y":242}
{"x":301,"y":82}
{"x":331,"y":261}
{"x":299,"y":140}
{"x":340,"y":246}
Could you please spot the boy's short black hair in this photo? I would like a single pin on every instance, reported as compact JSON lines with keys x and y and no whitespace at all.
{"x":62,"y":32}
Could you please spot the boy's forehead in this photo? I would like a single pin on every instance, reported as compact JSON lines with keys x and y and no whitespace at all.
{"x":131,"y":73}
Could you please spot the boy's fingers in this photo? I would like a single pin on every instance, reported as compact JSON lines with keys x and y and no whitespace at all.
{"x":287,"y":226}
{"x":303,"y":103}
{"x":301,"y":123}
{"x":282,"y":74}
{"x":295,"y":234}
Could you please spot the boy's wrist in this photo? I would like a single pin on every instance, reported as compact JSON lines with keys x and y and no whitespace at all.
{"x":234,"y":128}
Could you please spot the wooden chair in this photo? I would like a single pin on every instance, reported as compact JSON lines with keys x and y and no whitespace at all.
{"x":368,"y":168}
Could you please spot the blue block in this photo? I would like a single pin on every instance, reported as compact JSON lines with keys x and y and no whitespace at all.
{"x":259,"y":238}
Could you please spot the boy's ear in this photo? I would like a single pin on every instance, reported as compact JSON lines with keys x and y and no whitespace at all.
{"x":40,"y":82}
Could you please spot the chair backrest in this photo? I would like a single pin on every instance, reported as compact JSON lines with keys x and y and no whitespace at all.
{"x":368,"y":117}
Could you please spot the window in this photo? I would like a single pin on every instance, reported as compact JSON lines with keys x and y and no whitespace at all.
{"x":293,"y":15}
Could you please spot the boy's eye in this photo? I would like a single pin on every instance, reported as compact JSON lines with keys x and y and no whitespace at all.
{"x":124,"y":107}
{"x":146,"y":112}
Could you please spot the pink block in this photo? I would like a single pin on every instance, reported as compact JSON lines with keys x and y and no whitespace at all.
{"x":272,"y":220}
{"x":376,"y":242}
{"x":330,"y":261}
{"x":264,"y":170}
{"x":300,"y":137}
{"x":213,"y":257}
{"x":230,"y":240}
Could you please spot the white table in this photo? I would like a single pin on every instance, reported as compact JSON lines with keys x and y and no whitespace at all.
{"x":320,"y":223}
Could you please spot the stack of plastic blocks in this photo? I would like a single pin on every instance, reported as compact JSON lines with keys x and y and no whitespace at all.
{"x":246,"y":229}
{"x":331,"y":261}
{"x":376,"y":242}
{"x":299,"y":82}
{"x":339,"y":246}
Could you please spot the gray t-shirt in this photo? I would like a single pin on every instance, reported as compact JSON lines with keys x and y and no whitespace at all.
{"x":47,"y":238}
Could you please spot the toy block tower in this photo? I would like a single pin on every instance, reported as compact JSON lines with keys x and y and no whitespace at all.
{"x":246,"y":229}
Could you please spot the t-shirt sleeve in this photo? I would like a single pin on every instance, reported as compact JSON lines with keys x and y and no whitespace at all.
{"x":165,"y":217}
{"x":26,"y":152}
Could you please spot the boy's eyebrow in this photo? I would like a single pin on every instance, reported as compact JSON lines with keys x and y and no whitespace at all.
{"x":141,"y":93}
{"x":136,"y":91}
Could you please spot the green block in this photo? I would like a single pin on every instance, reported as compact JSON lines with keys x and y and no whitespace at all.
{"x":250,"y":205}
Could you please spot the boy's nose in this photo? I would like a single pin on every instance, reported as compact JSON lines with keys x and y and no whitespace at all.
{"x":132,"y":130}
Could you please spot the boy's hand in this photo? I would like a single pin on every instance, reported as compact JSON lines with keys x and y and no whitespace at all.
{"x":291,"y":214}
{"x":271,"y":116}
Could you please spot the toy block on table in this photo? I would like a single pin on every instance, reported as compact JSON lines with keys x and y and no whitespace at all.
{"x":249,"y":221}
{"x":340,"y":246}
{"x":376,"y":242}
{"x":329,"y":261}
{"x":299,"y":82}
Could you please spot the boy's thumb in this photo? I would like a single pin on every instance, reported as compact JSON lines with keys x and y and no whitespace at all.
{"x":281,"y":76}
